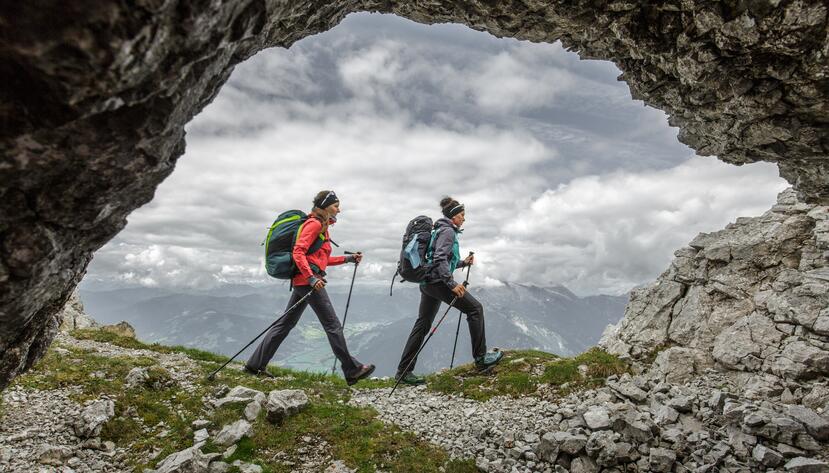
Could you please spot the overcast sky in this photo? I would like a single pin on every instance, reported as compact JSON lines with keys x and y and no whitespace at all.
{"x":566,"y":179}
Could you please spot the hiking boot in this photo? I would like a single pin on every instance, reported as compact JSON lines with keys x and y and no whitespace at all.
{"x":365,"y":372}
{"x":255,"y":372}
{"x":488,"y":360}
{"x":412,"y":379}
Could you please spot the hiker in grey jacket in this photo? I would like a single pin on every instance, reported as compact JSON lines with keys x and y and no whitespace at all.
{"x":440,"y":286}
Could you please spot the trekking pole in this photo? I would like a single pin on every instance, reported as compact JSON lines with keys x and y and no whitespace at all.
{"x":435,"y":329}
{"x":212,"y":375}
{"x":460,"y":316}
{"x":347,"y":303}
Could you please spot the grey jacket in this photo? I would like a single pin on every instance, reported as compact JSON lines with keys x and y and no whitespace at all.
{"x":442,"y":254}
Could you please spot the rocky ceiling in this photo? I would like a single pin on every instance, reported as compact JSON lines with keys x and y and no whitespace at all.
{"x":96,"y":93}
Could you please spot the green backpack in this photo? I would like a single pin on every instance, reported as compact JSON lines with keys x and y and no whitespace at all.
{"x":279,"y":244}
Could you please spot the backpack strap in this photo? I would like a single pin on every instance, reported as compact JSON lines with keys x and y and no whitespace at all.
{"x":392,"y":280}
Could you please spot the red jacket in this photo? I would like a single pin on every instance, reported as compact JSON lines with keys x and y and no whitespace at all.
{"x":321,"y":258}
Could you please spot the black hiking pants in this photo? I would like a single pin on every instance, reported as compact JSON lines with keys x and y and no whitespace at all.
{"x":431,"y":296}
{"x":321,"y":304}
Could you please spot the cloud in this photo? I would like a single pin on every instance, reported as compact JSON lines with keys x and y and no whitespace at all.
{"x":608,"y":233}
{"x":566,"y":179}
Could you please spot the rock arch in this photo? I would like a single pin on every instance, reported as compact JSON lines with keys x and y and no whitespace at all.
{"x":96,"y":94}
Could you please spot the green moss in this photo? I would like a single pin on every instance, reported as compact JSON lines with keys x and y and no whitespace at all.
{"x":561,"y":371}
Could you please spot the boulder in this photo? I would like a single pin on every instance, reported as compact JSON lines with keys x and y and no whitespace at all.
{"x":189,"y":460}
{"x":817,"y":426}
{"x":93,"y":417}
{"x":661,"y":460}
{"x":597,"y":418}
{"x":766,"y":456}
{"x":801,"y":360}
{"x":806,"y":465}
{"x":122,"y":329}
{"x":628,"y":390}
{"x":73,"y":316}
{"x":232,"y":433}
{"x":583,"y":464}
{"x":252,"y":410}
{"x":52,"y":455}
{"x":200,"y":435}
{"x":241,"y":394}
{"x":284,"y":403}
{"x":136,"y":378}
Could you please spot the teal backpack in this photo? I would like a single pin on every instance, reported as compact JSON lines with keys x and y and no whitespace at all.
{"x":279,"y":244}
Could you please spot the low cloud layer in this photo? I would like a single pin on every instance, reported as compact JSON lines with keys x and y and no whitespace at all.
{"x":567,"y":180}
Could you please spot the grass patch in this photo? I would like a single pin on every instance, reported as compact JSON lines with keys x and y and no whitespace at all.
{"x":93,"y":374}
{"x":158,"y":416}
{"x":523,"y":372}
{"x":650,"y":357}
{"x":128,"y":342}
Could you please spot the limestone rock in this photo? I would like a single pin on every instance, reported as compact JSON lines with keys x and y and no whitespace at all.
{"x":252,"y":410}
{"x":747,"y":297}
{"x":52,"y":455}
{"x":122,"y":329}
{"x":93,"y":417}
{"x":74,"y":317}
{"x":136,"y":378}
{"x":247,"y":467}
{"x":200,"y":436}
{"x":597,"y":418}
{"x":583,"y":464}
{"x":661,"y":460}
{"x":232,"y":433}
{"x":806,"y":465}
{"x":189,"y":460}
{"x":766,"y":456}
{"x":816,"y":425}
{"x":339,"y":467}
{"x":241,"y":394}
{"x":284,"y":403}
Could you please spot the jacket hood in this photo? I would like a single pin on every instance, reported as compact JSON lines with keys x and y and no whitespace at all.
{"x":445,"y":222}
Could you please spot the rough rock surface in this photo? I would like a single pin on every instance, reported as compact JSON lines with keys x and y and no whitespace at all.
{"x":94,"y":104}
{"x":36,"y":430}
{"x":233,"y":432}
{"x":741,"y":386}
{"x":93,"y":417}
{"x":122,"y":329}
{"x":753,"y":298}
{"x":285,"y":402}
{"x":714,"y":426}
{"x":73,"y":315}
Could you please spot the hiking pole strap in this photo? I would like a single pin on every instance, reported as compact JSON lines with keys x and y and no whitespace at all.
{"x":211,"y":375}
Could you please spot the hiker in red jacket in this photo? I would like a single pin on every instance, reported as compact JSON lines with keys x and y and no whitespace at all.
{"x":311,"y":277}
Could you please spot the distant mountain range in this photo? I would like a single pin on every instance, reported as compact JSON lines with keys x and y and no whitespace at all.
{"x":222,"y":320}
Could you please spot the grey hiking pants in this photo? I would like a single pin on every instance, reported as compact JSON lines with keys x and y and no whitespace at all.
{"x":431,"y":296}
{"x":321,"y":304}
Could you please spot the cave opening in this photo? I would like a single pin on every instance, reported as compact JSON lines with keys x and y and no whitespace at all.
{"x":569,"y":182}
